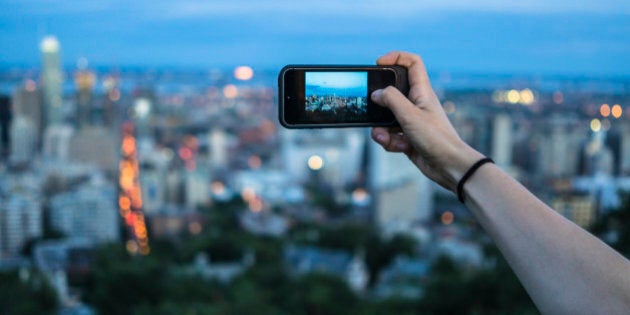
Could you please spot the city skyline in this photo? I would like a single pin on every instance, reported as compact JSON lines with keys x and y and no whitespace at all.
{"x":454,"y":36}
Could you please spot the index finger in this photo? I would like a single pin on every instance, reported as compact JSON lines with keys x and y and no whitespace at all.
{"x":419,"y":84}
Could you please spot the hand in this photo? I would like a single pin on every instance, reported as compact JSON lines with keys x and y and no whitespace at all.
{"x":425,"y":134}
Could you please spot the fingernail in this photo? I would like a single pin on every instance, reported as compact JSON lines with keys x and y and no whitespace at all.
{"x":376,"y":95}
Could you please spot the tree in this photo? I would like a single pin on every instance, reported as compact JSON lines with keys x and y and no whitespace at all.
{"x":32,"y":296}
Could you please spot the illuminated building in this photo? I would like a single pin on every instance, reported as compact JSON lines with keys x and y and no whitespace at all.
{"x":558,"y":149}
{"x":401,"y":193}
{"x":197,"y":190}
{"x":84,"y":83}
{"x":23,"y":140}
{"x":27,"y":102}
{"x":89,"y":212}
{"x":218,"y":148}
{"x":95,"y":146}
{"x":57,"y":142}
{"x":339,"y":150}
{"x":130,"y":196}
{"x":502,"y":140}
{"x":581,"y":209}
{"x":20,"y":221}
{"x":52,"y":80}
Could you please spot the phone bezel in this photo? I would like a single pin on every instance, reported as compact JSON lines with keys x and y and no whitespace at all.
{"x":291,"y":96}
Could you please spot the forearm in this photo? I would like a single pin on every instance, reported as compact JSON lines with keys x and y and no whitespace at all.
{"x":564,"y":269}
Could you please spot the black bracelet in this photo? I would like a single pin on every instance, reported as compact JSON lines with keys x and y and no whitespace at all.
{"x":469,"y":173}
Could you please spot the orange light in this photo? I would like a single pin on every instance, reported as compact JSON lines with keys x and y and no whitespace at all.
{"x":132,"y":247}
{"x":248,"y":194}
{"x":124,"y":203}
{"x":604,"y":110}
{"x":359,"y":195}
{"x":194,"y":228}
{"x":230,"y":91}
{"x":447,"y":218}
{"x":254,"y":162}
{"x":243,"y":73}
{"x":617,"y":111}
{"x":145,"y":250}
{"x":218,"y":188}
{"x":256,"y":205}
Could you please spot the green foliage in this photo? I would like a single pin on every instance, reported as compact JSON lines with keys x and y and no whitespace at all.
{"x":35,"y":296}
{"x":452,"y":290}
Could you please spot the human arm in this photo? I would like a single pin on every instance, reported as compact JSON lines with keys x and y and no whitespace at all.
{"x":564,"y":269}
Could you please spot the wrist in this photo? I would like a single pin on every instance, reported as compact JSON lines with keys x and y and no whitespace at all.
{"x":464,"y":158}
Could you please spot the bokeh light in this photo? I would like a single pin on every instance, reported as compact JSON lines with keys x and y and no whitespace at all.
{"x":596,"y":125}
{"x":243,"y":73}
{"x":230,"y":91}
{"x":315,"y":162}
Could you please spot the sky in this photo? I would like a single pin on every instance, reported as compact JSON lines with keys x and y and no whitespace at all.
{"x":584,"y":37}
{"x":337,"y":79}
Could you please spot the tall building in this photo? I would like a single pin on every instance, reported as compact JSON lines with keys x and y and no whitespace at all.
{"x":20,"y":221}
{"x":335,"y":154}
{"x":502,"y":140}
{"x":218,"y":148}
{"x":5,"y":122}
{"x":52,"y":80}
{"x":94,"y":145}
{"x":23,"y":140}
{"x":401,"y":193}
{"x":90,"y":211}
{"x":27,"y":103}
{"x":558,"y":149}
{"x":84,"y":82}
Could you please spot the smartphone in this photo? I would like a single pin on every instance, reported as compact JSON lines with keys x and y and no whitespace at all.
{"x":317,"y":96}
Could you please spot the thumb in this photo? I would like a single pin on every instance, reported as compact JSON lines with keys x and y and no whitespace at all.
{"x":398,"y":103}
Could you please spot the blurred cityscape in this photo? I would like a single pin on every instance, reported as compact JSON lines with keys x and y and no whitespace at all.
{"x":133,"y":191}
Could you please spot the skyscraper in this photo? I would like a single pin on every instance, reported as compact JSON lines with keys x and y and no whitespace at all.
{"x":20,"y":221}
{"x":52,"y":80}
{"x":502,"y":140}
{"x":402,"y":195}
{"x":84,"y":82}
{"x":5,"y":121}
{"x":27,"y":103}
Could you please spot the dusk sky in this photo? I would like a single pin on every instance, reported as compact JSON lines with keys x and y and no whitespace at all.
{"x":489,"y":36}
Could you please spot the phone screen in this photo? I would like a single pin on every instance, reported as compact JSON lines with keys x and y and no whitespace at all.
{"x":334,"y":97}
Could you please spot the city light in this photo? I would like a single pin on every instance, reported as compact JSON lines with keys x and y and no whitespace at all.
{"x":526,"y":97}
{"x":50,"y":44}
{"x":359,"y":196}
{"x":254,"y":162}
{"x":230,"y":91}
{"x":30,"y":85}
{"x":217,"y":188}
{"x":558,"y":97}
{"x":447,"y":218}
{"x":513,"y":96}
{"x":596,"y":125}
{"x":315,"y":162}
{"x":243,"y":73}
{"x":604,"y":110}
{"x":617,"y":111}
{"x":194,"y":228}
{"x":130,"y":195}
